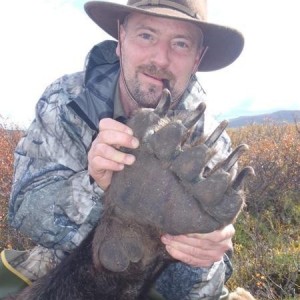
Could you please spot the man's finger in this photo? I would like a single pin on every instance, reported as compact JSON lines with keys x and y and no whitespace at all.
{"x":110,"y":153}
{"x":108,"y":124}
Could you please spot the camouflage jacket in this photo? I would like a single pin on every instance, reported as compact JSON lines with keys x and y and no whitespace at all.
{"x":53,"y":200}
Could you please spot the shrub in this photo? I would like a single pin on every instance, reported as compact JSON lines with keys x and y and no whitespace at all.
{"x":275,"y":156}
{"x":10,"y":134}
{"x":267,"y":242}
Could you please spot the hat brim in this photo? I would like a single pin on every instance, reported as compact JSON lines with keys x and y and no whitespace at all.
{"x":224,"y":44}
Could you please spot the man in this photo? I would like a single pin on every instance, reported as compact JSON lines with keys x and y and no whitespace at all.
{"x":67,"y":158}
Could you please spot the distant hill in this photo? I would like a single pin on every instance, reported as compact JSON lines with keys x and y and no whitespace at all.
{"x":282,"y":116}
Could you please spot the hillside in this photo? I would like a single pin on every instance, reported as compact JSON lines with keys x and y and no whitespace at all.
{"x":283,"y":116}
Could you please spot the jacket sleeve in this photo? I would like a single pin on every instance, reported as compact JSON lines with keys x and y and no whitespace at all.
{"x":53,"y":201}
{"x":180,"y":281}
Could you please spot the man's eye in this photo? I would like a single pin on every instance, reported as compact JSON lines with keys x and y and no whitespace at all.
{"x":181,"y":44}
{"x":145,"y":36}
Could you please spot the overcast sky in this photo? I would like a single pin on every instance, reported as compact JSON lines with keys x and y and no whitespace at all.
{"x":42,"y":40}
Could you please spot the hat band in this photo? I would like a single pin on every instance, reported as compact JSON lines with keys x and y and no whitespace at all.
{"x":167,"y":3}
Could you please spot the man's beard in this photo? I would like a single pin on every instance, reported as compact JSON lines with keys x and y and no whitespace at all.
{"x":149,"y":97}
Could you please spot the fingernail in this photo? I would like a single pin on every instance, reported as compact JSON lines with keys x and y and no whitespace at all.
{"x":135,"y":143}
{"x":165,"y":238}
{"x":121,"y":167}
{"x":129,"y":159}
{"x":129,"y":131}
{"x":168,"y":248}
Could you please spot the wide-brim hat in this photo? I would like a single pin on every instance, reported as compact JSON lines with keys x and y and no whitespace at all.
{"x":224,"y":44}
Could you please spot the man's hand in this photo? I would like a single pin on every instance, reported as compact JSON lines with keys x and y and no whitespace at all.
{"x":104,"y":157}
{"x":200,"y":250}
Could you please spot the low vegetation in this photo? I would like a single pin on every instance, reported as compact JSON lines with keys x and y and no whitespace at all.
{"x":8,"y":140}
{"x":267,"y":242}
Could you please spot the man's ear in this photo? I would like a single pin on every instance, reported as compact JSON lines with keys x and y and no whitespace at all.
{"x":121,"y":36}
{"x":118,"y":49}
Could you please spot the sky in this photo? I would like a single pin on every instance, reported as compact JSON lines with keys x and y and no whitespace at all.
{"x":42,"y":40}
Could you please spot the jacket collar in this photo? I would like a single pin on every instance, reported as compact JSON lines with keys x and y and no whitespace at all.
{"x":100,"y":81}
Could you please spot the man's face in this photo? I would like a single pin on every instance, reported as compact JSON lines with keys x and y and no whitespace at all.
{"x":155,"y":49}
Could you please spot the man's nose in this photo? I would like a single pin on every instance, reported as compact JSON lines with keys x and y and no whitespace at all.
{"x":161,"y":55}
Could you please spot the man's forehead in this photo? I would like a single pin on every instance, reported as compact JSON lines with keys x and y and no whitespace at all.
{"x":140,"y":18}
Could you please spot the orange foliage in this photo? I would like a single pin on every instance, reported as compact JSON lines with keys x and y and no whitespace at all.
{"x":10,"y":134}
{"x":275,"y":155}
{"x":269,"y":219}
{"x":8,"y":141}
